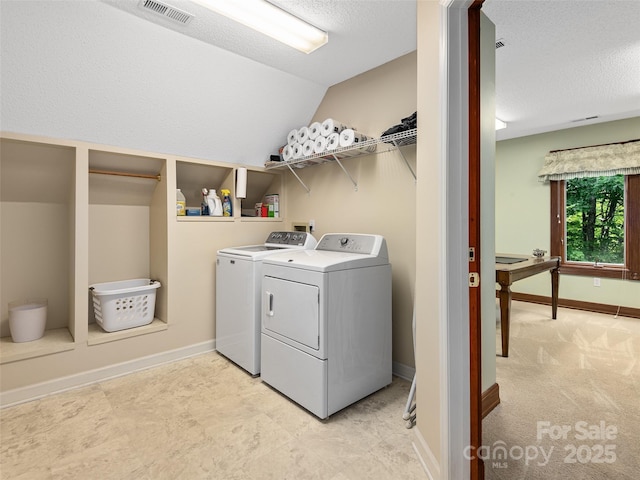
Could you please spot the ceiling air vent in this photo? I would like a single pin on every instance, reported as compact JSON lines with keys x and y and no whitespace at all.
{"x":593,"y":117}
{"x":499,"y":43}
{"x":167,"y":11}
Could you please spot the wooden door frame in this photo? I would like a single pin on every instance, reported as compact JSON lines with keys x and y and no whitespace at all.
{"x":475,"y":319}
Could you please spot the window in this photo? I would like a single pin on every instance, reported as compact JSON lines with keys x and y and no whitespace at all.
{"x":595,"y":226}
{"x":595,"y":220}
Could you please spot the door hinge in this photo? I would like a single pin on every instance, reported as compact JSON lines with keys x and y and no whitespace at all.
{"x":474,"y":279}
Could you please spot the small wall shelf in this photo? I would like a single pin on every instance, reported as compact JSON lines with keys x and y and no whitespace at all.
{"x":98,"y":336}
{"x":54,"y":341}
{"x":382,"y":144}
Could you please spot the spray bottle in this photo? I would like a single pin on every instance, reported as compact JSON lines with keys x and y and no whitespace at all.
{"x":214,"y":204}
{"x":204,"y":207}
{"x":227,"y":208}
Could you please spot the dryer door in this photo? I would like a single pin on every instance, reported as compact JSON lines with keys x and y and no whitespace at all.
{"x":291,"y":311}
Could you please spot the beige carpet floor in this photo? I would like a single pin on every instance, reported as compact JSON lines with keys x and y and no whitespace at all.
{"x":570,"y":398}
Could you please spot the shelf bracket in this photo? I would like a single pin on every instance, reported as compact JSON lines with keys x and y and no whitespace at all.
{"x":299,"y":179}
{"x":395,"y":142}
{"x":355,"y":184}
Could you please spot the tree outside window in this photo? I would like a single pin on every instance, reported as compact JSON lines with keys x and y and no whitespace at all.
{"x":595,"y":220}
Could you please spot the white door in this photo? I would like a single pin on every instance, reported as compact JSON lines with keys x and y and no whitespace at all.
{"x":291,"y":310}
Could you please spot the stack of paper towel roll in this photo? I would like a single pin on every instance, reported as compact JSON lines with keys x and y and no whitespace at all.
{"x":319,"y":138}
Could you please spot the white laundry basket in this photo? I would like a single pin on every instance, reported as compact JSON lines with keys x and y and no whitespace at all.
{"x":124,"y":304}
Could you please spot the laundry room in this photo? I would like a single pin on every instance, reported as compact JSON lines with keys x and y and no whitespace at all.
{"x":123,"y":227}
{"x":106,"y":113}
{"x":158,"y":229}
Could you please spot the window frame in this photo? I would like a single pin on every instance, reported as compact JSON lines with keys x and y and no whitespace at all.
{"x":631,"y":268}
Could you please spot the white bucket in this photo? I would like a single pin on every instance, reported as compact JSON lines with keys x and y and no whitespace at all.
{"x":27,"y":319}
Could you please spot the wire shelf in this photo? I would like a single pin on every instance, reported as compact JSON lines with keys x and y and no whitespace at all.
{"x":380,"y":145}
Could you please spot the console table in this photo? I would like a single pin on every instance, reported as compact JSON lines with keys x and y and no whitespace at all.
{"x":507,"y":273}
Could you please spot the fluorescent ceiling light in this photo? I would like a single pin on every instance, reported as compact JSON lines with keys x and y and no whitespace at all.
{"x":272,"y":21}
{"x":500,"y":124}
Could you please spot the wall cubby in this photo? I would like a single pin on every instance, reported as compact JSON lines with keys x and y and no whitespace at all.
{"x":193,"y":176}
{"x":38,"y":215}
{"x":127,"y":217}
{"x":260,"y":184}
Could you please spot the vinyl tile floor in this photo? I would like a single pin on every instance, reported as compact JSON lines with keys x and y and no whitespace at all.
{"x":203,"y":418}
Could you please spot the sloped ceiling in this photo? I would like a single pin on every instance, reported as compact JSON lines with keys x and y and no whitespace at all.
{"x":563,"y":64}
{"x":363,"y":34}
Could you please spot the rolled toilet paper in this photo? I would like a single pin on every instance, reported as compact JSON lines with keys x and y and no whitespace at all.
{"x":297,"y":151}
{"x":303,"y":135}
{"x":287,"y":154}
{"x":315,"y":130}
{"x":307,"y":148}
{"x":320,"y":144}
{"x":349,"y":137}
{"x":333,"y":141}
{"x":241,"y":182}
{"x":292,"y":137}
{"x":330,"y":126}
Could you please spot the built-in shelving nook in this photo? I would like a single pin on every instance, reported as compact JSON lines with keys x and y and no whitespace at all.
{"x":260,"y":184}
{"x":127,"y":229}
{"x":192,"y":176}
{"x":37,"y":239}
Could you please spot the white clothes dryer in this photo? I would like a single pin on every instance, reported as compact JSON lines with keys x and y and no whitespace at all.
{"x":238,"y":278}
{"x":326,"y":322}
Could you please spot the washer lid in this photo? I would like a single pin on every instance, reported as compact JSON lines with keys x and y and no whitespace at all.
{"x":276,"y":242}
{"x":250,"y":251}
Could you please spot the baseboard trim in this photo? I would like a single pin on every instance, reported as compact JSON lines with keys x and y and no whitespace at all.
{"x":32,"y":392}
{"x":403,"y":371}
{"x":579,"y":305}
{"x":426,"y":456}
{"x":490,"y":399}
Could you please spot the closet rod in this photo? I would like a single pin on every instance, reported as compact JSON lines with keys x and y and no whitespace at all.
{"x":590,"y":146}
{"x":124,"y":174}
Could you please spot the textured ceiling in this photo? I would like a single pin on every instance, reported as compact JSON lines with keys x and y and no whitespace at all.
{"x":563,"y":60}
{"x":363,"y":34}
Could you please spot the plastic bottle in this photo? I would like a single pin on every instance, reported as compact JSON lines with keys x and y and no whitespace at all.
{"x":214,"y":203}
{"x":204,"y":207}
{"x":227,"y":208}
{"x":181,"y":203}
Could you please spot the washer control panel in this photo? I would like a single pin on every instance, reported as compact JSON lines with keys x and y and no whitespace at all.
{"x":298,"y":239}
{"x":353,"y":243}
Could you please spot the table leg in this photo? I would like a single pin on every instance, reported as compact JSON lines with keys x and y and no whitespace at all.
{"x":555,"y":280}
{"x":505,"y":316}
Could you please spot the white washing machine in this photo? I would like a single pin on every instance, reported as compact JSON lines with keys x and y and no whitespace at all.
{"x":326,"y":322}
{"x":238,"y":278}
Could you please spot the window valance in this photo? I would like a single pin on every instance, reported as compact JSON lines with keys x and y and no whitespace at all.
{"x":595,"y":161}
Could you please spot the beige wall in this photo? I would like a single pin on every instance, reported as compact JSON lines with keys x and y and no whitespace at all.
{"x":523,"y":204}
{"x":429,"y":262}
{"x":384,"y":202}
